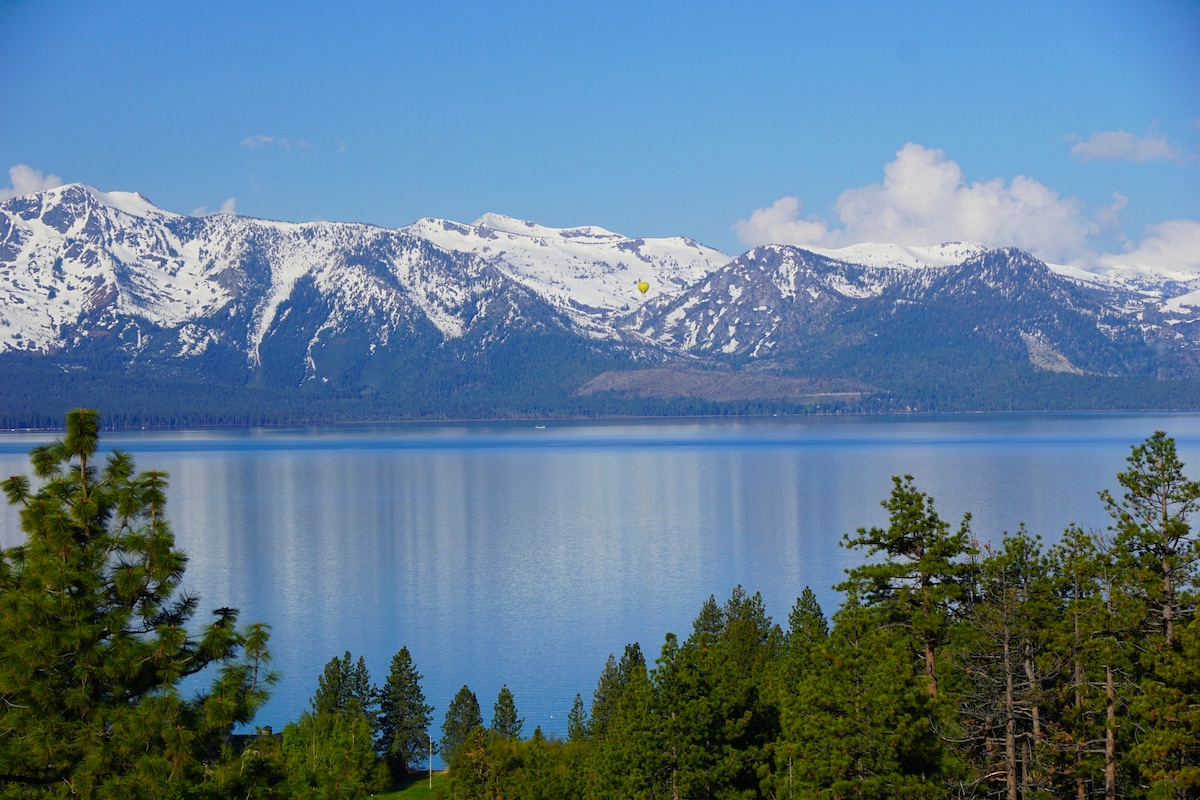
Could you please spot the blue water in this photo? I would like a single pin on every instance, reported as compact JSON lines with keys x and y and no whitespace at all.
{"x":525,"y":555}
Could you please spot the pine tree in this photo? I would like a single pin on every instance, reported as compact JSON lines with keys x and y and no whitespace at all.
{"x":1157,"y":554}
{"x":95,"y":640}
{"x":505,"y":721}
{"x":1003,"y":707}
{"x":611,"y":686}
{"x":462,"y":717}
{"x":332,"y":755}
{"x":925,"y":575}
{"x":577,"y":721}
{"x":807,"y":625}
{"x":345,"y":685}
{"x":859,"y":722}
{"x":1152,"y":530}
{"x":404,"y":715}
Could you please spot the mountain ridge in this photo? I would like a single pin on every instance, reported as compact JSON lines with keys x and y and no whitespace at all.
{"x":108,"y":283}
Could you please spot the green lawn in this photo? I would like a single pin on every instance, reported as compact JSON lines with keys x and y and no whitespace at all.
{"x":416,"y":787}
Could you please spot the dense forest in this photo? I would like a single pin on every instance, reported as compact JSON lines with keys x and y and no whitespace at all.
{"x":951,"y":669}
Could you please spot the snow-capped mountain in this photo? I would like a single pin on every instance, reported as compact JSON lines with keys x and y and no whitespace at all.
{"x":90,"y":278}
{"x":75,"y":261}
{"x":778,"y":301}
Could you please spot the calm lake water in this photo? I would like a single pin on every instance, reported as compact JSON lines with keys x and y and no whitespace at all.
{"x":525,"y":555}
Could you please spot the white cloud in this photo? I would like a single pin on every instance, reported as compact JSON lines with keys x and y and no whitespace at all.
{"x":924,"y":199}
{"x":1109,"y":217}
{"x":260,"y":141}
{"x":228,"y":207}
{"x":1123,"y":146}
{"x":1173,"y":245}
{"x":780,"y":224}
{"x":27,"y":180}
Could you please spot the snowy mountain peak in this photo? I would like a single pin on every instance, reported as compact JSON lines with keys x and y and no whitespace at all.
{"x":78,"y":265}
{"x":900,"y":256}
{"x":520,"y":227}
{"x":79,"y":197}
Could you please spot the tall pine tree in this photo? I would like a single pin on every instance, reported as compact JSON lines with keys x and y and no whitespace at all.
{"x":505,"y":721}
{"x":95,"y":638}
{"x":462,"y":718}
{"x":405,"y":717}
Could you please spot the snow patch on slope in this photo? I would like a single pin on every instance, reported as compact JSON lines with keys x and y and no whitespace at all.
{"x":587,"y":272}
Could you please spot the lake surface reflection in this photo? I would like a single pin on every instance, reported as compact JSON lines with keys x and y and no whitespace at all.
{"x":525,"y":555}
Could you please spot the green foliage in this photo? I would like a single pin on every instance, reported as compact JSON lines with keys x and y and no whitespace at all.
{"x":1153,"y":537}
{"x":577,"y":721}
{"x":925,"y":572}
{"x":1011,"y":672}
{"x":858,"y":723}
{"x":346,"y":686}
{"x":96,"y":640}
{"x":611,"y":686}
{"x":1005,"y":690}
{"x":1156,"y":554}
{"x":1168,"y":752}
{"x":505,"y":721}
{"x":462,"y":718}
{"x":258,"y":771}
{"x":405,"y":717}
{"x":330,"y":751}
{"x":331,"y":756}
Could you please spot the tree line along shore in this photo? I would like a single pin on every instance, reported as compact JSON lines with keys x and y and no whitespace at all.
{"x":951,"y":669}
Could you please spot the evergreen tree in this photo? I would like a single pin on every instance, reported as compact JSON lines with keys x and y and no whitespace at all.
{"x":1152,"y":531}
{"x":632,"y":759}
{"x":94,"y":639}
{"x":859,"y":721}
{"x":577,"y":721}
{"x":924,"y":576}
{"x":1156,"y":553}
{"x":807,"y":625}
{"x":1004,"y":700}
{"x":331,"y":756}
{"x":710,"y":621}
{"x":258,"y":772}
{"x":1090,"y":641}
{"x":505,"y":721}
{"x":404,"y":716}
{"x":717,"y":719}
{"x":604,"y":699}
{"x":344,"y":686}
{"x":1168,"y":752}
{"x":462,"y":717}
{"x":611,"y":686}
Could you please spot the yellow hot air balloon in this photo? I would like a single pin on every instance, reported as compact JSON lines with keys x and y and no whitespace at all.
{"x":643,"y":286}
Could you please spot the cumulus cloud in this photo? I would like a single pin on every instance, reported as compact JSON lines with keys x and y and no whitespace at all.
{"x":1123,"y":146}
{"x":260,"y":141}
{"x":1169,"y":246}
{"x":924,"y":199}
{"x":27,"y":180}
{"x":228,"y":207}
{"x":780,"y":224}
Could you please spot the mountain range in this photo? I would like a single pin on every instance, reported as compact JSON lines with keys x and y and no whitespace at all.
{"x":167,"y":319}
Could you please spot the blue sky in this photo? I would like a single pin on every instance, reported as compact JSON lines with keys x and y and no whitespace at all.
{"x":1071,"y":129}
